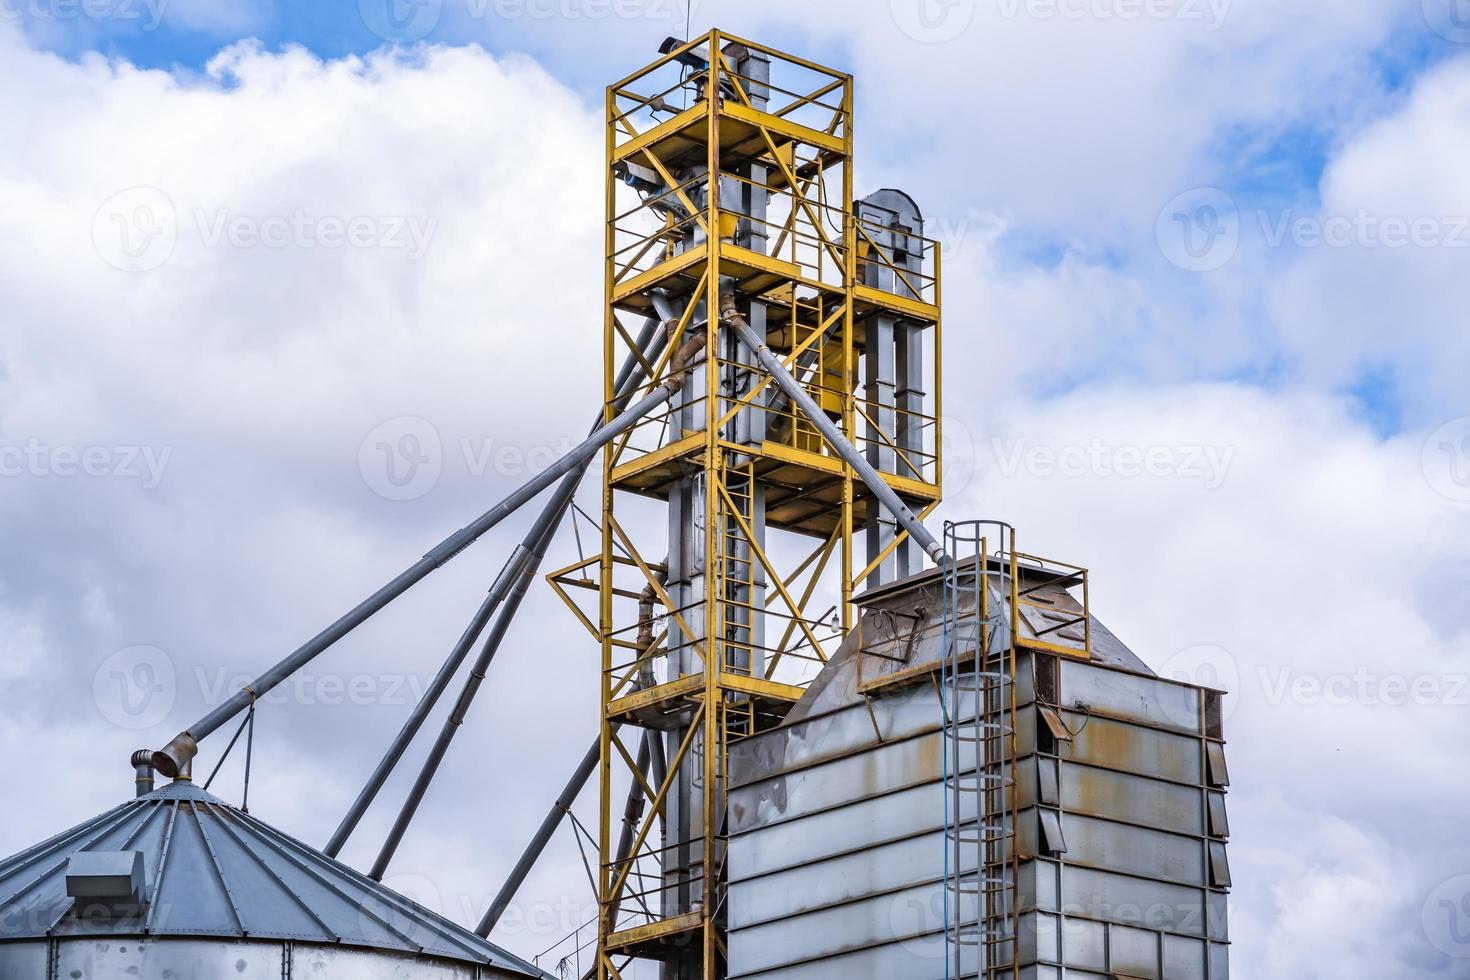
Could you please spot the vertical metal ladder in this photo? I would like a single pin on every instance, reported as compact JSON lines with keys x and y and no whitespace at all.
{"x":977,"y":694}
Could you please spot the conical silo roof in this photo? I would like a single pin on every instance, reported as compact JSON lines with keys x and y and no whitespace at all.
{"x":211,"y":870}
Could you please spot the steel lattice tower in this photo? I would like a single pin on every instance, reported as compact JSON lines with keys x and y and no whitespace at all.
{"x":729,"y":527}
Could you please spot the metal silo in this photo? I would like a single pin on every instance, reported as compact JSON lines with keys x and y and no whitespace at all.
{"x":178,"y":884}
{"x":1052,"y":809}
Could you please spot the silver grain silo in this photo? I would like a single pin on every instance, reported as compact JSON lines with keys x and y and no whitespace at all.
{"x":178,"y":885}
{"x":864,"y":841}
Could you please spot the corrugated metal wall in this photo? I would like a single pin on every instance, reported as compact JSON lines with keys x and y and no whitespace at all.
{"x":836,"y":841}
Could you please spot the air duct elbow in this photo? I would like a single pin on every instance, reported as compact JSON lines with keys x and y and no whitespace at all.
{"x":175,"y":760}
{"x":679,"y":364}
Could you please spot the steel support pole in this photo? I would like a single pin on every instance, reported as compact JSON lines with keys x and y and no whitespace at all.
{"x":172,"y":757}
{"x":538,"y":842}
{"x":651,"y":340}
{"x":833,"y":435}
{"x":525,"y":570}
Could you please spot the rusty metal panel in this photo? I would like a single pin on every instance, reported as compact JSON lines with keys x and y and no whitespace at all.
{"x":919,"y":958}
{"x":1134,"y":901}
{"x":876,"y":921}
{"x":837,"y":733}
{"x":810,"y":839}
{"x":844,"y":878}
{"x":1134,"y":850}
{"x":1134,"y":799}
{"x":1120,"y":694}
{"x":1131,"y":748}
{"x":884,"y":769}
{"x":1134,"y":952}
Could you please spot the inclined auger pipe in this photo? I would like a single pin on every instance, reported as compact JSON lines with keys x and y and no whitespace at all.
{"x":651,"y":341}
{"x":176,"y":754}
{"x":906,"y":518}
{"x":543,"y":834}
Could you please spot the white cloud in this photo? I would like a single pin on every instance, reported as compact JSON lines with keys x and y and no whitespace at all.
{"x":1307,"y":545}
{"x":1300,"y":573}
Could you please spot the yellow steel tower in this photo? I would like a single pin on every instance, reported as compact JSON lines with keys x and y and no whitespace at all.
{"x":733,"y":537}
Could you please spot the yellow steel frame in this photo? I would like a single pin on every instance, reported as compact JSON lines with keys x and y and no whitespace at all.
{"x":803,"y":138}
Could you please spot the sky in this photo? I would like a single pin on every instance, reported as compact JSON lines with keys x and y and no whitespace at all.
{"x":1206,"y":334}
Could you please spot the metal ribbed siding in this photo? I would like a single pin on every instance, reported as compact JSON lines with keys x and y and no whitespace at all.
{"x":224,"y":889}
{"x":836,"y":847}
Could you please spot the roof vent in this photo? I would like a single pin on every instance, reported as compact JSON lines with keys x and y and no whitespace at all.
{"x":105,"y":883}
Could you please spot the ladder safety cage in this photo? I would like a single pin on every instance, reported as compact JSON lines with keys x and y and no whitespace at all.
{"x":978,"y":702}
